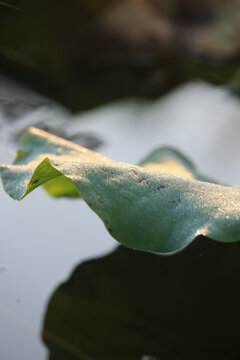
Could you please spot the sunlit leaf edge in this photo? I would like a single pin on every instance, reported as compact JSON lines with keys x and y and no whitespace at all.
{"x":145,"y":207}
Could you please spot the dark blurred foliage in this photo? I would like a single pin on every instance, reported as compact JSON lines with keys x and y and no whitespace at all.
{"x":131,"y":305}
{"x":88,"y":52}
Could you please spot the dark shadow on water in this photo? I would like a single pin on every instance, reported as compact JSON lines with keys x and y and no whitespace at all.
{"x":133,"y":305}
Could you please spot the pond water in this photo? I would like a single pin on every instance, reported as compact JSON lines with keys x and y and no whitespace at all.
{"x":43,"y":240}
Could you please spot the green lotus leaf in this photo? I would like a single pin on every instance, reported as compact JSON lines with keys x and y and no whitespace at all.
{"x":159,"y":206}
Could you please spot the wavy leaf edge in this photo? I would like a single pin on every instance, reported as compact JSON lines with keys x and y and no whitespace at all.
{"x":160,"y":206}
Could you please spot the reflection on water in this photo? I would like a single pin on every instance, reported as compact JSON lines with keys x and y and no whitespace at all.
{"x":132,"y":305}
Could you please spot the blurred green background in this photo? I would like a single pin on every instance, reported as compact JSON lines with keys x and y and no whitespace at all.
{"x":90,"y":52}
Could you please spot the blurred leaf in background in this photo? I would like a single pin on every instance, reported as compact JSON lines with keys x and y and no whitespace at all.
{"x":89,"y":52}
{"x":136,"y":306}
